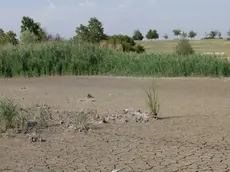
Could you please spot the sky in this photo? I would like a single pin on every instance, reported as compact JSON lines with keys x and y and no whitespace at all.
{"x":119,"y":16}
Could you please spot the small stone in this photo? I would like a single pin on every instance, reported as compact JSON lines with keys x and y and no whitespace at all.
{"x":104,"y":120}
{"x":61,"y":122}
{"x":89,"y":96}
{"x":41,"y":139}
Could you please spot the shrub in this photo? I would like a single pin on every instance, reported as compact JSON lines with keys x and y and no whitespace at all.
{"x":28,"y":37}
{"x":10,"y":115}
{"x":122,"y":39}
{"x":184,"y":47}
{"x":139,"y":48}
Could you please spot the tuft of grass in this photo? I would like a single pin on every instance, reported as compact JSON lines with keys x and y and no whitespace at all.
{"x":81,"y":118}
{"x":11,"y":117}
{"x":153,"y":102}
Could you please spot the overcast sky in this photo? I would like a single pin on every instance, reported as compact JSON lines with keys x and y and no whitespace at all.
{"x":119,"y":16}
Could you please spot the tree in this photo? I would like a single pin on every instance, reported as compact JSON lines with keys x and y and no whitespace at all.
{"x":137,"y":35}
{"x":177,"y":32}
{"x":27,"y":37}
{"x":8,"y":37}
{"x":228,"y":33}
{"x":192,"y":34}
{"x":11,"y":37}
{"x":165,"y":36}
{"x":149,"y":34}
{"x":93,"y":32}
{"x":155,"y":34}
{"x":213,"y":34}
{"x":219,"y":34}
{"x":152,"y":34}
{"x":2,"y":36}
{"x":28,"y":24}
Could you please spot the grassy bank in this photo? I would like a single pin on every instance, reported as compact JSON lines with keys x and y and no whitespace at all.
{"x":83,"y":59}
{"x":200,"y":46}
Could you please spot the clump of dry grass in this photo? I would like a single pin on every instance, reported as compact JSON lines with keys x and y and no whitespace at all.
{"x":11,"y":116}
{"x":153,"y":102}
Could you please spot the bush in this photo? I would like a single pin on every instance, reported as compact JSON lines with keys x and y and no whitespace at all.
{"x":123,"y":39}
{"x":139,"y":49}
{"x":28,"y":37}
{"x":10,"y":116}
{"x":128,"y":44}
{"x":184,"y":47}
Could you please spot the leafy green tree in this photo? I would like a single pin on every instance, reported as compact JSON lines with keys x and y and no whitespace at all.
{"x":1,"y":32}
{"x":155,"y":34}
{"x":219,"y":34}
{"x":28,"y":37}
{"x":28,"y":24}
{"x":2,"y":36}
{"x":228,"y":33}
{"x":152,"y":34}
{"x":165,"y":36}
{"x":11,"y":37}
{"x":8,"y":37}
{"x":137,"y":35}
{"x":192,"y":34}
{"x":213,"y":34}
{"x":93,"y":32}
{"x":177,"y":32}
{"x":149,"y":34}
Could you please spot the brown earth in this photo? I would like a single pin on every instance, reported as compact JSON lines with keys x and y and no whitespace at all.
{"x":192,"y":134}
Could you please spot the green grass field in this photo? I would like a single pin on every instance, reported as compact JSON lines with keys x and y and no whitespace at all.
{"x":200,"y":46}
{"x":75,"y":58}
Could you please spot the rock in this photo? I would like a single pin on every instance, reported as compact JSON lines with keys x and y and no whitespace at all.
{"x":72,"y":128}
{"x":141,"y":117}
{"x":104,"y":120}
{"x":61,"y":122}
{"x":89,"y":96}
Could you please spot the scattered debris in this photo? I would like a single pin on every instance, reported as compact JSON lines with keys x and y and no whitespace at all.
{"x":35,"y":138}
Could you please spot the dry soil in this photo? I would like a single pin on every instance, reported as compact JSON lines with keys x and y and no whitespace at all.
{"x":192,"y":134}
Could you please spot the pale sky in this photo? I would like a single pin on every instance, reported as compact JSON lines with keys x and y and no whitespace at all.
{"x":119,"y":16}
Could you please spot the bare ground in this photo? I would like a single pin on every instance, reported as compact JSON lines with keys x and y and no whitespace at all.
{"x":192,"y":134}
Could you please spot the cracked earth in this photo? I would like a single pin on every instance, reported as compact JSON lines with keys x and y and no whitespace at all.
{"x":191,"y":135}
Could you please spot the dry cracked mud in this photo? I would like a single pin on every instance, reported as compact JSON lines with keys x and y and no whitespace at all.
{"x":191,"y":135}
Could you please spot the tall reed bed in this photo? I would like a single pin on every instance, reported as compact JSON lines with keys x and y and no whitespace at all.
{"x":75,"y":58}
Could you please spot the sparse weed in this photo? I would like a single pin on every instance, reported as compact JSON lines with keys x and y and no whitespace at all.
{"x":153,"y":102}
{"x":42,"y":117}
{"x":11,"y":116}
{"x":81,"y":118}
